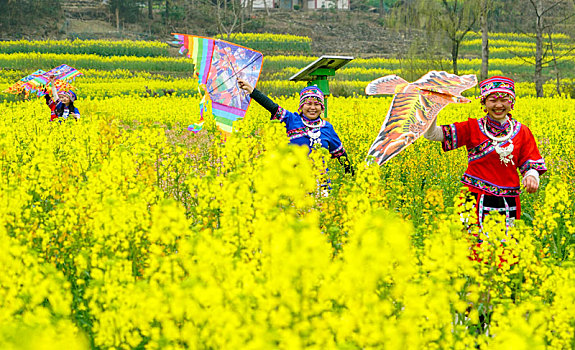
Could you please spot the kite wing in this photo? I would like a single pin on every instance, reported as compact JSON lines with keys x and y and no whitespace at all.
{"x":218,"y":66}
{"x":446,"y":83}
{"x":37,"y":81}
{"x":412,"y":111}
{"x":387,"y":85}
{"x":63,"y":72}
{"x":18,"y":87}
{"x":63,"y":75}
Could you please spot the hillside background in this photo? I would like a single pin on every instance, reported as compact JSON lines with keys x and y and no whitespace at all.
{"x":387,"y":28}
{"x":530,"y":41}
{"x":331,"y":31}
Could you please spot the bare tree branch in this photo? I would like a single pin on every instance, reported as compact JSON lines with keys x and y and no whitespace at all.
{"x":552,"y":7}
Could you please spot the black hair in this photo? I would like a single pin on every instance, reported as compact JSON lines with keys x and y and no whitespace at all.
{"x":60,"y":110}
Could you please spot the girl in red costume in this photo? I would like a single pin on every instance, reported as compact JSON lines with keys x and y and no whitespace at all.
{"x":497,"y":147}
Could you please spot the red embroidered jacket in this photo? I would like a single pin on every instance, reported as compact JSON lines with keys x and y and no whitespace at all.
{"x":486,"y":172}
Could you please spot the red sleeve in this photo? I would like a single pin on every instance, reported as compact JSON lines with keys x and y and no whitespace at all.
{"x":456,"y":135}
{"x":529,"y":156}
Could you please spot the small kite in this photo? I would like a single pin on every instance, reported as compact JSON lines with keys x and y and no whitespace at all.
{"x":37,"y":81}
{"x":413,"y":108}
{"x":18,"y":87}
{"x":218,"y":66}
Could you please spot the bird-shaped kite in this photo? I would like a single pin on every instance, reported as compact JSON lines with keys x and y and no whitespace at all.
{"x":218,"y":65}
{"x":413,"y":108}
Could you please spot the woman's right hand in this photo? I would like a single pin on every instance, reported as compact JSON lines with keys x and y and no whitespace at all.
{"x":245,"y":86}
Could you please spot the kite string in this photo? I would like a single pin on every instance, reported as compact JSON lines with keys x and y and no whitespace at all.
{"x":252,"y":61}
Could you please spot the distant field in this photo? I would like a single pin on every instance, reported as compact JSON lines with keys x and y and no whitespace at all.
{"x":509,"y":53}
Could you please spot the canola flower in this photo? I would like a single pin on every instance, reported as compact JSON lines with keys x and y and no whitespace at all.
{"x":78,"y":46}
{"x":519,"y":37}
{"x":151,"y":237}
{"x":123,"y":73}
{"x":502,"y":44}
{"x":271,"y":43}
{"x":256,"y":37}
{"x":31,"y":61}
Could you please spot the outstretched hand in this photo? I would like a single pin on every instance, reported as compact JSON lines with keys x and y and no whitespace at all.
{"x":245,"y":86}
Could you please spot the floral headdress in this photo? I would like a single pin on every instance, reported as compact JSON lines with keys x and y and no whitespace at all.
{"x":499,"y":85}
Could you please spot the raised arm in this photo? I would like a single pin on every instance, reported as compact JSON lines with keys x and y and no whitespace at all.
{"x":54,"y":90}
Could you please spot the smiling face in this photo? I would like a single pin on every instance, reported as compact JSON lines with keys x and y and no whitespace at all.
{"x":312,"y":109}
{"x":64,"y":98}
{"x":498,"y":106}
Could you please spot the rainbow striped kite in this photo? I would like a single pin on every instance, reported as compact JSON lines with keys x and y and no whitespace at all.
{"x":19,"y":86}
{"x":63,"y":73}
{"x":218,"y":65}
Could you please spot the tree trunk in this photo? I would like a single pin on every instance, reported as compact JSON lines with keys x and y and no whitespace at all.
{"x":381,"y":8}
{"x":454,"y":54}
{"x":167,"y":11}
{"x":265,"y":7}
{"x":484,"y":40}
{"x":150,"y":6}
{"x":250,"y":7}
{"x":558,"y":79}
{"x":118,"y":18}
{"x":539,"y":49}
{"x":242,"y":15}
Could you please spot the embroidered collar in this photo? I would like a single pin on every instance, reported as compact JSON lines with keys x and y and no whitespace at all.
{"x":496,"y":128}
{"x":316,"y":123}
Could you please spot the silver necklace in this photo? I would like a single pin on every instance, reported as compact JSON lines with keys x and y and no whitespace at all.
{"x":505,"y":155}
{"x":314,"y":132}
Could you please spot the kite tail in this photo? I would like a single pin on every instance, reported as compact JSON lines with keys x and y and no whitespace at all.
{"x":204,"y":102}
{"x":196,"y":127}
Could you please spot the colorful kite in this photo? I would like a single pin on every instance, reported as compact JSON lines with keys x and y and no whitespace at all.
{"x":37,"y":81}
{"x":218,"y":66}
{"x":413,"y":108}
{"x":18,"y":87}
{"x":63,"y":75}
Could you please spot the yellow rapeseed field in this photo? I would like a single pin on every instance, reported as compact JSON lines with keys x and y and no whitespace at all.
{"x":125,"y":231}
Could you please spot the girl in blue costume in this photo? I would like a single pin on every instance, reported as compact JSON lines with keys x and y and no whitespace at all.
{"x":305,"y":127}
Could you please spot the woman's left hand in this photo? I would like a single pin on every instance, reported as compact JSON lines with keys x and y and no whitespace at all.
{"x":531,"y":184}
